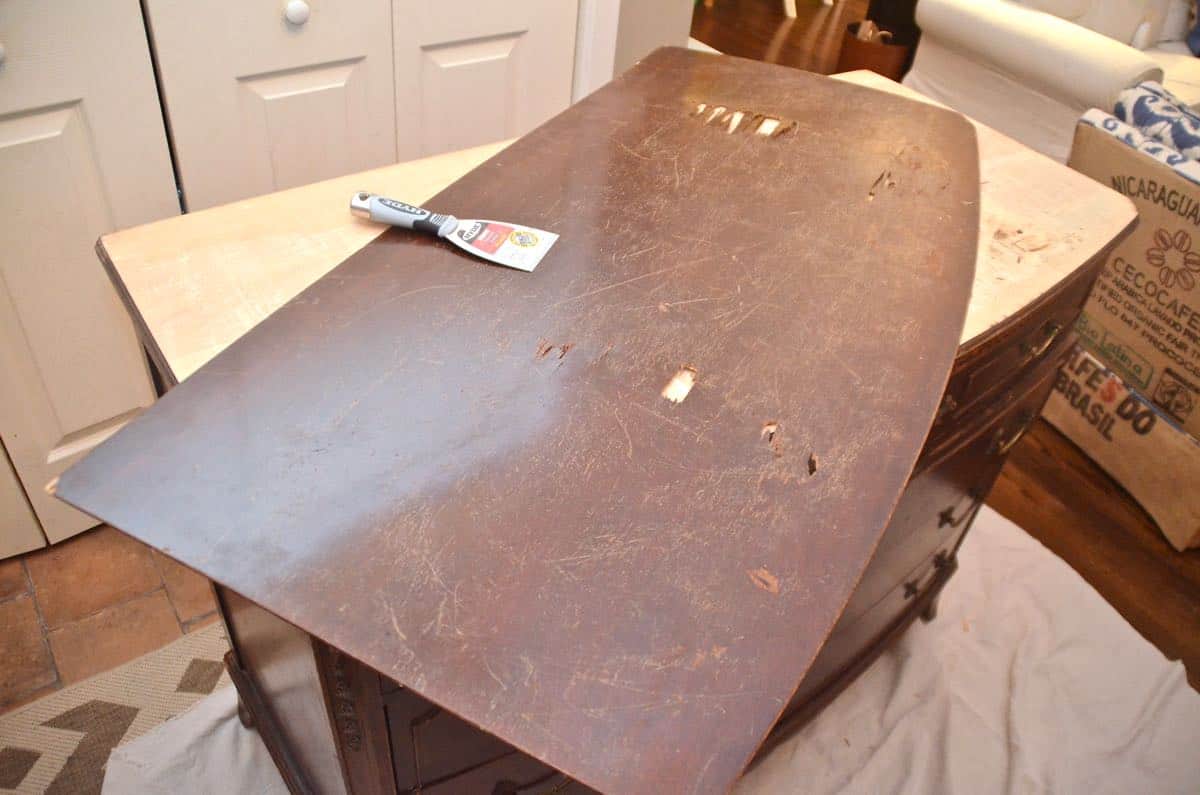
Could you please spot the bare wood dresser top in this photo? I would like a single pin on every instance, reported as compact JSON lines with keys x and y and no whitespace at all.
{"x":204,"y":279}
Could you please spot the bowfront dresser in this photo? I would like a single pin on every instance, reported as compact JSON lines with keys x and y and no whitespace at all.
{"x":335,"y":724}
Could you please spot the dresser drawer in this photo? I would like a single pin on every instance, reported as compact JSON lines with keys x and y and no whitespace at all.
{"x":851,"y":639}
{"x":435,"y":751}
{"x":430,"y":744}
{"x":940,"y":501}
{"x":969,"y":422}
{"x":916,"y":555}
{"x":516,"y":774}
{"x":984,"y":369}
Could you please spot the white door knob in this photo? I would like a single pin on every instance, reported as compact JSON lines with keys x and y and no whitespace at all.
{"x":296,"y":12}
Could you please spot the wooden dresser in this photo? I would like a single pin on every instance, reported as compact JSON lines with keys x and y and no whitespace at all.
{"x":996,"y":391}
{"x":391,"y":740}
{"x":333,"y":724}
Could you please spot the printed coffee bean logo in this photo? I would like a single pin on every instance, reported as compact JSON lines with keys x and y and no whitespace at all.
{"x":1174,"y":258}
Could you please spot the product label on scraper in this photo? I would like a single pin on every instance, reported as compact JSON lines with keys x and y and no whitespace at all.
{"x":513,"y":246}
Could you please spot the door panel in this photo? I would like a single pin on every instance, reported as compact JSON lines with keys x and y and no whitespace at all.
{"x":48,"y":152}
{"x":257,"y":104}
{"x":19,"y":528}
{"x":471,"y":73}
{"x":482,"y":70}
{"x":82,"y":151}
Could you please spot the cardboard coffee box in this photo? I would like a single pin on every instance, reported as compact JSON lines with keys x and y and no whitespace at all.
{"x":1143,"y":317}
{"x":1133,"y":404}
{"x":1133,"y":440}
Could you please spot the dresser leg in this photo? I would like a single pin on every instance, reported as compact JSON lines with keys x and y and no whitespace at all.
{"x":241,"y":684}
{"x":253,"y":714}
{"x":930,"y":611}
{"x":244,"y":715}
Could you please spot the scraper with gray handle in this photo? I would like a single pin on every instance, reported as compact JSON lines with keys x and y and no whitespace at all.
{"x":511,"y":245}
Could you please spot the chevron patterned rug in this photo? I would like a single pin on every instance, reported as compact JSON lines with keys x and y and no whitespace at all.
{"x":60,"y":743}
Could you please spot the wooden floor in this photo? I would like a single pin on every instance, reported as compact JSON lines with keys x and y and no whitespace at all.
{"x":758,"y":29}
{"x":1069,"y":504}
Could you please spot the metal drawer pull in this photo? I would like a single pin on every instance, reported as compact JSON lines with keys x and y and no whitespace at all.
{"x":1001,"y":446}
{"x":945,"y":408}
{"x":1052,"y":330}
{"x":946,"y":517}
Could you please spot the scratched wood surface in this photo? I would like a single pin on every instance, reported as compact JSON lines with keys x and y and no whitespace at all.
{"x":469,"y":478}
{"x":199,"y":281}
{"x":1039,"y":222}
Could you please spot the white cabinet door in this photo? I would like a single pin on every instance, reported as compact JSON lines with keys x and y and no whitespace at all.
{"x":82,"y":152}
{"x":469,"y":73}
{"x":257,"y":103}
{"x":19,"y":528}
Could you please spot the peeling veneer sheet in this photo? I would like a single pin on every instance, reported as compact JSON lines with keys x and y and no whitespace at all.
{"x":546,"y":500}
{"x":1028,"y":681}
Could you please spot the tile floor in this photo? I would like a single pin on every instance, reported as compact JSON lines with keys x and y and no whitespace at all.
{"x":89,"y":604}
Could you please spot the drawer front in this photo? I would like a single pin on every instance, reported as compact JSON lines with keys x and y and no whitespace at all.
{"x":516,"y":774}
{"x":916,"y":554}
{"x":940,"y":501}
{"x":850,"y":640}
{"x":983,"y":414}
{"x":1042,"y":335}
{"x":435,"y":751}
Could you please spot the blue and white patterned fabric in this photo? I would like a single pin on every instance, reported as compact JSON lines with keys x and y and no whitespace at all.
{"x":1183,"y":166}
{"x":1160,"y":115}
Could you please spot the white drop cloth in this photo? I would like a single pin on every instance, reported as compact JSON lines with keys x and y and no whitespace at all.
{"x":1028,"y":681}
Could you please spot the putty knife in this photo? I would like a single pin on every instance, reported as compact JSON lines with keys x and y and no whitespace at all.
{"x":513,"y":246}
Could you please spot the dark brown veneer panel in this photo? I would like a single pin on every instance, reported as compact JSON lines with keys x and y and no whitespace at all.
{"x":467,"y":478}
